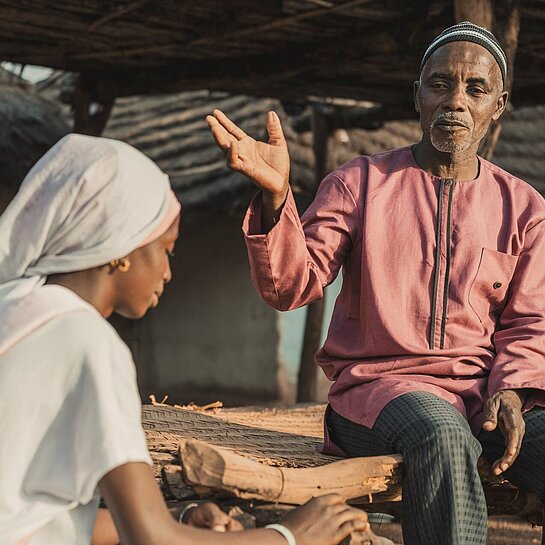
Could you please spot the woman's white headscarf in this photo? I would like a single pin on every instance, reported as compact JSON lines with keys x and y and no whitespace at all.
{"x":86,"y":201}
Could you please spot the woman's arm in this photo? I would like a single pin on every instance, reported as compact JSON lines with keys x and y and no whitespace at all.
{"x":141,"y":516}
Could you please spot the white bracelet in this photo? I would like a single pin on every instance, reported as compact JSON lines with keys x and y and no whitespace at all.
{"x":186,"y":510}
{"x":286,"y":532}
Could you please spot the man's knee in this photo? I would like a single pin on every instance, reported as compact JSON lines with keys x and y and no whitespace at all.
{"x":447,"y":439}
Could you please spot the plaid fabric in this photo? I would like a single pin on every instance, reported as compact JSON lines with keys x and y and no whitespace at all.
{"x":443,"y":500}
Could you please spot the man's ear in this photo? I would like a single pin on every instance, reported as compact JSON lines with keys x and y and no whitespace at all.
{"x":500,"y":105}
{"x":416,"y":87}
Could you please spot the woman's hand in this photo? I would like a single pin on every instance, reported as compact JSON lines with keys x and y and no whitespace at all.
{"x":209,"y":515}
{"x":326,"y":520}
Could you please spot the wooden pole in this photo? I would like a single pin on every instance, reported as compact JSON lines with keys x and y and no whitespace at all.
{"x":501,"y":17}
{"x":479,"y":12}
{"x":93,"y":103}
{"x":308,"y":373}
{"x":506,"y":30}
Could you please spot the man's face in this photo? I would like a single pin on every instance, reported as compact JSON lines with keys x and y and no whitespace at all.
{"x":458,"y":95}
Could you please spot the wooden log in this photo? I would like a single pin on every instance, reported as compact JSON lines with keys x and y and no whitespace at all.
{"x":217,"y":468}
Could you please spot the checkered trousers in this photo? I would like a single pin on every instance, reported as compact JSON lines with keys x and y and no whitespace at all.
{"x":443,"y":499}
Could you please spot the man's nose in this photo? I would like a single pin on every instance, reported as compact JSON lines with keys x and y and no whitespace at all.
{"x":456,"y":101}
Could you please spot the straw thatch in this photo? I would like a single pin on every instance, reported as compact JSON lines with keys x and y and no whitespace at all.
{"x":521,"y":148}
{"x":365,"y":49}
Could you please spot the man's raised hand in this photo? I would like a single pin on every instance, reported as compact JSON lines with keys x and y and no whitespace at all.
{"x":266,"y":164}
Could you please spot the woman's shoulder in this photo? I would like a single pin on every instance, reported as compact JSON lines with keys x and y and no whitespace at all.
{"x":87,"y":332}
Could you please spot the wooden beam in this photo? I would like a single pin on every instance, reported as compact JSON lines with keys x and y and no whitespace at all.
{"x":218,"y":39}
{"x":117,"y":13}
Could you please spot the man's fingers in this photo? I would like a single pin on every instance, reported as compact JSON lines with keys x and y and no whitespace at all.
{"x":221,"y":136}
{"x":274,"y":128}
{"x":491,"y":414}
{"x":233,"y":159}
{"x":513,"y":428}
{"x":229,"y":126}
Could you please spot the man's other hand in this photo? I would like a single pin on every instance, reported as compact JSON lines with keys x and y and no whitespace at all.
{"x":504,"y":410}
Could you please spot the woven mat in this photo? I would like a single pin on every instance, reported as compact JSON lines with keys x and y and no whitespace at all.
{"x":277,"y":437}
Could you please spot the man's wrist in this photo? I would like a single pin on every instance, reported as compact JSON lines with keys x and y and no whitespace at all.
{"x":272,"y":208}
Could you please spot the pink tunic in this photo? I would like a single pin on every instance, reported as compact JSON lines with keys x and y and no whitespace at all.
{"x":443,"y":282}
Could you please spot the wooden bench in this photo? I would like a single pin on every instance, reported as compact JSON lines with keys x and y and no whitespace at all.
{"x":269,"y":456}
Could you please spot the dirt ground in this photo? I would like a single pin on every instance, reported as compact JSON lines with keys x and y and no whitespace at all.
{"x":501,"y":531}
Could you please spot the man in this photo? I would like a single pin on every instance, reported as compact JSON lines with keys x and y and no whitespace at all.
{"x":436,"y":343}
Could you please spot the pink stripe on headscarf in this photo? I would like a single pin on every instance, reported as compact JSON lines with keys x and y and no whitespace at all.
{"x":173,"y":211}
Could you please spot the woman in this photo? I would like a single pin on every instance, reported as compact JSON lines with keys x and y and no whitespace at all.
{"x":89,"y":233}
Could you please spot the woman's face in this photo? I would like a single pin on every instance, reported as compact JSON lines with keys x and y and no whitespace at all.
{"x":142,"y":285}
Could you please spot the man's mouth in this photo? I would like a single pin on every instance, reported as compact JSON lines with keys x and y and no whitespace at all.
{"x":450,"y":124}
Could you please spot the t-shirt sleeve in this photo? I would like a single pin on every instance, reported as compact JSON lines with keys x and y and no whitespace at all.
{"x":98,"y":424}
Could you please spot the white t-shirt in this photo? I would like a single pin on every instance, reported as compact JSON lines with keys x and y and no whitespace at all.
{"x":69,"y":413}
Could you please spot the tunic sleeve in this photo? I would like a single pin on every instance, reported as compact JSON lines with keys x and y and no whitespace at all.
{"x":291,"y":265}
{"x":520,"y":338}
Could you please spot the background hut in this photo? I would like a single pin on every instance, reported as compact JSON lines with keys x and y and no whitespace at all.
{"x":29,"y":126}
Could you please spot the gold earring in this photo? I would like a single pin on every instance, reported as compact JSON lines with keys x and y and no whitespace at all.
{"x":122,"y":265}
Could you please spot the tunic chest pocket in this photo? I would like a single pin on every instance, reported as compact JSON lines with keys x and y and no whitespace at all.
{"x":489,"y":289}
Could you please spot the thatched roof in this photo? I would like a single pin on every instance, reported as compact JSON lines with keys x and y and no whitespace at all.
{"x":29,"y":126}
{"x":364,"y":49}
{"x":172,"y":130}
{"x":521,"y":148}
